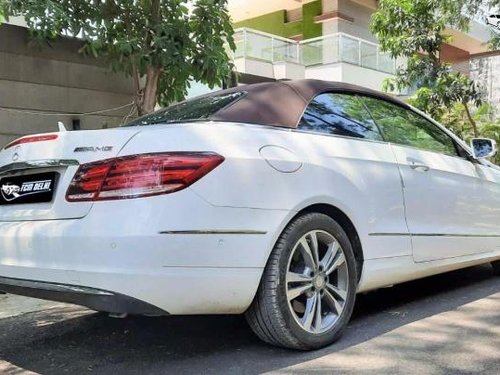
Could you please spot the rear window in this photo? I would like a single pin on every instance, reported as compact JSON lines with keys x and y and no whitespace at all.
{"x":190,"y":110}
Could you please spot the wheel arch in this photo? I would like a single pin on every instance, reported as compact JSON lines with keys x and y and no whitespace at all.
{"x":345,"y":222}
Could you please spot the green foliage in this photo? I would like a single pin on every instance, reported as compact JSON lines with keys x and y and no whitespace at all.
{"x":310,"y":28}
{"x":276,"y":23}
{"x":272,"y":23}
{"x":495,"y":42}
{"x":408,"y":27}
{"x":455,"y":118}
{"x":3,"y":10}
{"x":164,"y":41}
{"x":448,"y":89}
{"x":415,"y":29}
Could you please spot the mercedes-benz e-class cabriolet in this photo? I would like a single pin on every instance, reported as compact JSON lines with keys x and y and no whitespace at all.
{"x":279,"y":200}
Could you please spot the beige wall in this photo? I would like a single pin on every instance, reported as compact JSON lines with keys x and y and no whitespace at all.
{"x":360,"y":16}
{"x":349,"y":73}
{"x":54,"y":78}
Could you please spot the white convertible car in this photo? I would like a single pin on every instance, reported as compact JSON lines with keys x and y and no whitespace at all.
{"x":279,"y":200}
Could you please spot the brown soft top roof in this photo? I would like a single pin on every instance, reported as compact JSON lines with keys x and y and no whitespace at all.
{"x":282,"y":103}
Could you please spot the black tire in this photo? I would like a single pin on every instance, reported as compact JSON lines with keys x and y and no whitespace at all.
{"x":496,"y":267}
{"x":270,"y":317}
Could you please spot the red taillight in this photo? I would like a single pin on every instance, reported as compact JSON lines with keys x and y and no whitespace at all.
{"x":140,"y":175}
{"x":31,"y":139}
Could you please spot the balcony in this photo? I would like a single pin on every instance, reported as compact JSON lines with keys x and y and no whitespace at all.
{"x":258,"y":45}
{"x":336,"y":57}
{"x":340,"y":47}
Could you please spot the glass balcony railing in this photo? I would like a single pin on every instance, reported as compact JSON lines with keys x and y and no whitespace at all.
{"x":262,"y":46}
{"x":328,"y":49}
{"x":341,"y":47}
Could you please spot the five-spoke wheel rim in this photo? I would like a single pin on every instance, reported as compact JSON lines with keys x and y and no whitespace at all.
{"x":317,"y":281}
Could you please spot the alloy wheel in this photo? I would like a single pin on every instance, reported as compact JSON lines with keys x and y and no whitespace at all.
{"x":317,"y":281}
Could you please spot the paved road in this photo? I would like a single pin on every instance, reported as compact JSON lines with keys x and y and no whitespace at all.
{"x":448,"y":324}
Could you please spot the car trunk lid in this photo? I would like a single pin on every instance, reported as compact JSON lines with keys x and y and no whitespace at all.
{"x":35,"y":171}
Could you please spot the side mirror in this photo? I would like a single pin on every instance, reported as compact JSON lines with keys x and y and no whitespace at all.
{"x":483,"y":148}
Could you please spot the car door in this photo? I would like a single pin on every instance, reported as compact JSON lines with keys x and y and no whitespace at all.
{"x":489,"y":217}
{"x":444,"y":196}
{"x":358,"y":171}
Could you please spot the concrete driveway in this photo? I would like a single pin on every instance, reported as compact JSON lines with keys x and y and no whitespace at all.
{"x":448,"y":324}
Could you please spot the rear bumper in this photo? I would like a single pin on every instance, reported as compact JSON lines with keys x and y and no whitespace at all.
{"x":95,"y":299}
{"x":175,"y":252}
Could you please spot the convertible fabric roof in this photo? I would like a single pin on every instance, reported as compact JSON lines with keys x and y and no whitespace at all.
{"x":282,"y":103}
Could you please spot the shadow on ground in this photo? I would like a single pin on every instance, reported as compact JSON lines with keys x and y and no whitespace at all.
{"x":74,"y":340}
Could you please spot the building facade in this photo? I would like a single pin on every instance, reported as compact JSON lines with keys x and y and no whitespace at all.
{"x":486,"y":71}
{"x":327,"y":39}
{"x":279,"y":39}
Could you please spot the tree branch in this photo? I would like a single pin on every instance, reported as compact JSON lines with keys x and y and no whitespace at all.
{"x":138,"y":99}
{"x":471,"y":120}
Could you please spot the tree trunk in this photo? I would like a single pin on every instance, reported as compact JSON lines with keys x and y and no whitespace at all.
{"x":150,"y":90}
{"x":137,"y":90}
{"x":471,"y":120}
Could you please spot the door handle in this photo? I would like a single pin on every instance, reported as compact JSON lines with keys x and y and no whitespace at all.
{"x":418,"y":165}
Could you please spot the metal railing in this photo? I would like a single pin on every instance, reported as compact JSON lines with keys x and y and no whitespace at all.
{"x":328,"y":49}
{"x":263,"y":46}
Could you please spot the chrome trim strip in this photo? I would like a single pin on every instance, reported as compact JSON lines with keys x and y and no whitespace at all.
{"x":434,"y":235}
{"x":35,"y":164}
{"x":213,"y":231}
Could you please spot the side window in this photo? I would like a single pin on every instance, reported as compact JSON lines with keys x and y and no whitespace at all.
{"x":404,"y":127}
{"x":339,"y":114}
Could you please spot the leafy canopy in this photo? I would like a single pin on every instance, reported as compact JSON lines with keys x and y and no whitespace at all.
{"x":3,"y":10}
{"x":456,"y":119}
{"x":165,"y":42}
{"x":416,"y":31}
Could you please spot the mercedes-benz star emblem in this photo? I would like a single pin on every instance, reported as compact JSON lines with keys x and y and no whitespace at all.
{"x":16,"y":156}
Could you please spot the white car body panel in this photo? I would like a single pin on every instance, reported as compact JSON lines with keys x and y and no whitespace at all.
{"x":446,"y":205}
{"x":132,"y":257}
{"x":202,"y":250}
{"x":333,"y":163}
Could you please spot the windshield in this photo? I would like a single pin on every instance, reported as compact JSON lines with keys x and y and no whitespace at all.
{"x":190,"y":110}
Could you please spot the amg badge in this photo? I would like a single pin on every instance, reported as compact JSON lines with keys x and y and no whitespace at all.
{"x":94,"y":149}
